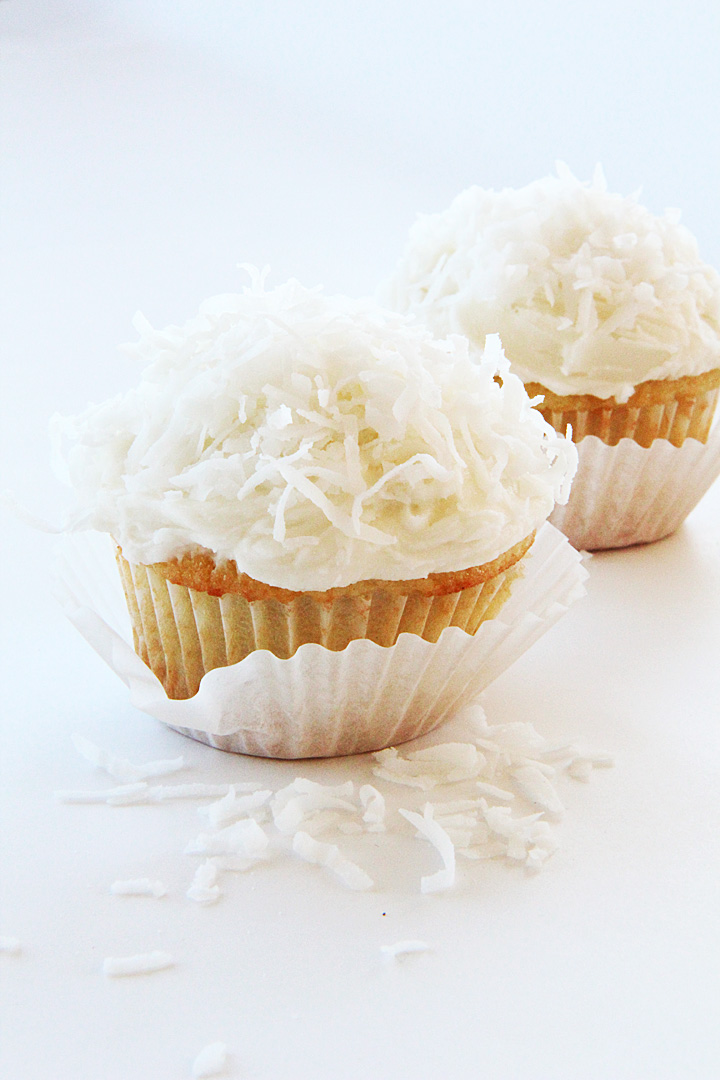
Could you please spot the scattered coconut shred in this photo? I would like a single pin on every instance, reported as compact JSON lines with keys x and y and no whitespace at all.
{"x":140,"y":964}
{"x":210,"y":1061}
{"x":404,"y":948}
{"x":138,"y":887}
{"x":496,"y":797}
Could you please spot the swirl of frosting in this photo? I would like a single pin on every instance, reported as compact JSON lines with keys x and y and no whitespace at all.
{"x":316,"y":441}
{"x":590,"y":292}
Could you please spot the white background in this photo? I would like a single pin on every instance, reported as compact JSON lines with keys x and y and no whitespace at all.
{"x":148,"y":148}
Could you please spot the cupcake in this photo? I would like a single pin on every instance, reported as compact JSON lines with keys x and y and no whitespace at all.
{"x":300,"y":470}
{"x":610,"y":318}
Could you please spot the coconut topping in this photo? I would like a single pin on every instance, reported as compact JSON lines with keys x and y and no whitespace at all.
{"x":316,"y":441}
{"x":590,"y":292}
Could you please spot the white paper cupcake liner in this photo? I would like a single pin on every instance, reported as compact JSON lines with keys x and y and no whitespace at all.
{"x":627,"y":494}
{"x":182,"y":633}
{"x":320,"y":703}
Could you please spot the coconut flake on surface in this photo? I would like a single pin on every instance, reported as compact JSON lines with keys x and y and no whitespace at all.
{"x":295,"y":811}
{"x":204,"y":888}
{"x":580,"y":769}
{"x":597,"y":759}
{"x":233,"y":806}
{"x":244,"y":838}
{"x":124,"y":795}
{"x":120,"y":768}
{"x":302,"y":799}
{"x":537,"y":788}
{"x":10,"y":945}
{"x":303,"y":786}
{"x":142,"y":792}
{"x":445,"y":763}
{"x":373,"y":804}
{"x":498,"y":797}
{"x":517,"y":836}
{"x":580,"y":763}
{"x":138,"y":887}
{"x":139,"y":964}
{"x":314,"y":851}
{"x":431,"y":830}
{"x":494,"y":792}
{"x":211,"y":1061}
{"x":403,"y":948}
{"x":165,"y":792}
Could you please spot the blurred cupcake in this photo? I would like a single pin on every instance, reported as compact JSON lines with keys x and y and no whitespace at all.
{"x":608,"y":314}
{"x":296,"y":469}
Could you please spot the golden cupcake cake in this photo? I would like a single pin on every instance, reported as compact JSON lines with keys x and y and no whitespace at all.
{"x":608,"y":315}
{"x":295,"y":470}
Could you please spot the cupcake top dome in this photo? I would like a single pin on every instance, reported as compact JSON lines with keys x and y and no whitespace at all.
{"x":316,"y":441}
{"x":589,"y":291}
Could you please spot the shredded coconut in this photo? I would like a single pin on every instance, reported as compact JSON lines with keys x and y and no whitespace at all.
{"x":197,"y":791}
{"x":231,"y":807}
{"x":444,"y":764}
{"x":121,"y":769}
{"x":204,"y":888}
{"x":140,"y":964}
{"x":373,"y":802}
{"x":296,"y":810}
{"x":10,"y":945}
{"x":402,"y":948}
{"x":500,"y":799}
{"x":138,"y":887}
{"x":316,"y":441}
{"x":494,"y":792}
{"x":538,"y":789}
{"x":142,"y":792}
{"x":124,"y":795}
{"x":313,"y":851}
{"x":590,"y":292}
{"x":304,"y":801}
{"x":432,"y":830}
{"x":302,"y":786}
{"x":245,"y":838}
{"x":210,"y":1061}
{"x":512,"y":765}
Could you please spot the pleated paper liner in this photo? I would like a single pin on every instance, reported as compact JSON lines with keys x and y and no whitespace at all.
{"x":320,"y":703}
{"x":671,"y":409}
{"x":643,"y":466}
{"x":182,"y":633}
{"x":629,"y":494}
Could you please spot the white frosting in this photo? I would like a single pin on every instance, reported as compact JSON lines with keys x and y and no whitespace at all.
{"x":317,"y":442}
{"x":589,"y":291}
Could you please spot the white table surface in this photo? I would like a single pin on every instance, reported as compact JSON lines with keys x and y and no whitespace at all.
{"x":605,"y":964}
{"x":125,"y":191}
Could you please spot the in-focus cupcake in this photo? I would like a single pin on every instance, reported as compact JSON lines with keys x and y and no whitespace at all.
{"x":607,"y":313}
{"x":297,"y":469}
